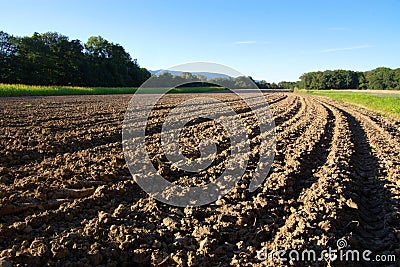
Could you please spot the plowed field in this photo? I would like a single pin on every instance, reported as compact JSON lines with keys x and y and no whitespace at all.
{"x":67,"y":197}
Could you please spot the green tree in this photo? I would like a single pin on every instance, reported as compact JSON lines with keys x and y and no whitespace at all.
{"x":243,"y":82}
{"x":381,"y":78}
{"x":111,"y":65}
{"x":362,"y":81}
{"x":8,"y":52}
{"x":397,"y":78}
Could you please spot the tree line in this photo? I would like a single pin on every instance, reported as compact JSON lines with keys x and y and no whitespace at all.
{"x":380,"y":78}
{"x":240,"y":82}
{"x":185,"y":79}
{"x":52,"y":59}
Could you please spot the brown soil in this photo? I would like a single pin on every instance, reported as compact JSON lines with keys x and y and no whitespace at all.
{"x":68,"y":199}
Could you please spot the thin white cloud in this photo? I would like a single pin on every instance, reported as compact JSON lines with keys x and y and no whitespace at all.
{"x":345,"y":48}
{"x":245,"y":42}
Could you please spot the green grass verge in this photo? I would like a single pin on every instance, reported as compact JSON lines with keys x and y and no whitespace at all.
{"x":382,"y":103}
{"x":34,"y":90}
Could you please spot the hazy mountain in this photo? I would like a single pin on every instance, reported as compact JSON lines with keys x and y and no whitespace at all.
{"x":208,"y":75}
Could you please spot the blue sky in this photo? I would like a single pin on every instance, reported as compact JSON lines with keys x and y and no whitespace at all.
{"x":271,"y":40}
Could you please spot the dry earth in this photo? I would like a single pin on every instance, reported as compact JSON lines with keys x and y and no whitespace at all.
{"x":68,"y":199}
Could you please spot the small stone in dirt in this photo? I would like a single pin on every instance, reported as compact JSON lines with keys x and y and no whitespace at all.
{"x":351,"y":204}
{"x":59,"y":251}
{"x":235,"y":261}
{"x":200,"y":231}
{"x":25,"y":244}
{"x":325,"y":225}
{"x":19,"y":226}
{"x":178,"y":260}
{"x":119,"y":210}
{"x":240,"y":244}
{"x":8,"y":253}
{"x":158,"y":258}
{"x":188,"y":211}
{"x":170,"y":223}
{"x":113,"y":228}
{"x":220,"y":202}
{"x":38,"y":248}
{"x":181,"y":241}
{"x":204,"y":244}
{"x":104,"y":217}
{"x":5,"y":263}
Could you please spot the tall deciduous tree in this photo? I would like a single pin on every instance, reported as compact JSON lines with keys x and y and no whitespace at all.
{"x":52,"y":59}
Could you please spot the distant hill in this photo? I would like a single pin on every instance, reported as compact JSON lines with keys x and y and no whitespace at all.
{"x":208,"y":75}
